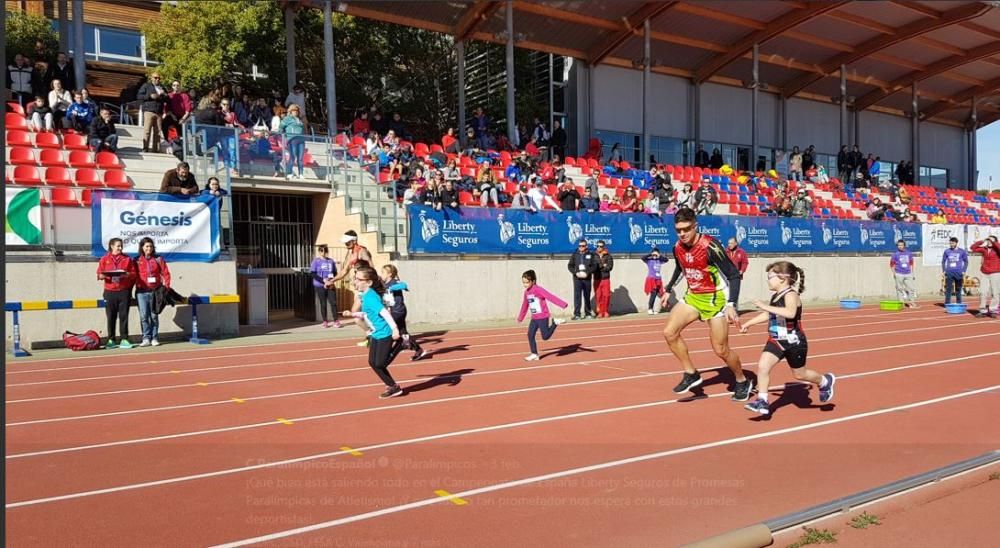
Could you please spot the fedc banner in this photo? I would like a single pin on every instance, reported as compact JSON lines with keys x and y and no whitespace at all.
{"x":22,"y":224}
{"x":483,"y":231}
{"x":182,"y":229}
{"x":937,"y":238}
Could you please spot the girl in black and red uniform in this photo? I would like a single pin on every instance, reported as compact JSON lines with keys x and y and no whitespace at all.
{"x":786,"y":339}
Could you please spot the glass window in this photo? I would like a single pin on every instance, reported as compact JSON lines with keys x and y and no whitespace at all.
{"x":629,"y":146}
{"x":119,"y":42}
{"x":667,"y":150}
{"x":933,"y":176}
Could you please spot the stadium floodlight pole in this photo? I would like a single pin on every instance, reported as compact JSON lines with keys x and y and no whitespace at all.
{"x":857,"y":127}
{"x":290,"y":45}
{"x":973,"y":153}
{"x":915,"y":133}
{"x":79,"y":53}
{"x":460,"y":130}
{"x":697,"y":116}
{"x":511,"y":122}
{"x":647,"y":61}
{"x":843,"y":106}
{"x":331,"y":76}
{"x":755,"y":93}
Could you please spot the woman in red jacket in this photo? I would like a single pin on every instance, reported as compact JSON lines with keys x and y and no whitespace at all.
{"x":117,"y":271}
{"x":989,"y":284}
{"x":152,"y":273}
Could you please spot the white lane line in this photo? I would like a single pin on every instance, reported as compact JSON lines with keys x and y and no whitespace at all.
{"x":596,"y":467}
{"x":433,"y":437}
{"x":340,"y":357}
{"x":435,"y":362}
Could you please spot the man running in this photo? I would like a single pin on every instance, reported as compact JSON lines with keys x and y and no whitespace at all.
{"x":713,"y":293}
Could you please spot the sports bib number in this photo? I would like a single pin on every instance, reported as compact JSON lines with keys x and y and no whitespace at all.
{"x":534,"y":305}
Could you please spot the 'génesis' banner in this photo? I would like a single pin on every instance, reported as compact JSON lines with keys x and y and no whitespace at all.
{"x":182,"y":228}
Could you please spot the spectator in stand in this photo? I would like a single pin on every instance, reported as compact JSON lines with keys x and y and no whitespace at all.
{"x":520,"y":200}
{"x":939,"y":218}
{"x":558,"y":139}
{"x":20,"y":80}
{"x":809,"y":158}
{"x":278,"y":113}
{"x":40,"y":115}
{"x":179,"y":108}
{"x":901,"y":264}
{"x":738,"y":256}
{"x":61,"y":70}
{"x":103,"y":133}
{"x":875,"y":169}
{"x":481,"y":128}
{"x":630,"y":201}
{"x":533,"y":150}
{"x":954,"y":262}
{"x":298,"y":98}
{"x":795,"y":165}
{"x":539,"y":197}
{"x":685,"y":197}
{"x":705,"y":198}
{"x":260,"y":114}
{"x":591,"y":182}
{"x":568,"y":196}
{"x":153,"y":98}
{"x":214,"y":188}
{"x":582,"y":265}
{"x":486,"y":186}
{"x":785,"y":209}
{"x":117,"y":271}
{"x":360,"y":124}
{"x":292,"y":129}
{"x":843,"y":164}
{"x":89,"y":100}
{"x":605,"y":204}
{"x":602,"y":280}
{"x":152,"y":273}
{"x":876,"y":210}
{"x":79,"y":115}
{"x":701,"y":157}
{"x":589,"y":202}
{"x":447,"y":196}
{"x":989,"y":284}
{"x":802,"y":206}
{"x":449,"y":142}
{"x":716,"y":161}
{"x":379,"y":124}
{"x":59,"y":101}
{"x":398,"y":127}
{"x":179,"y":181}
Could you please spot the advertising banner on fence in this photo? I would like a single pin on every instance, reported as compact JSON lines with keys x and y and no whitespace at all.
{"x":936,"y":240}
{"x":481,"y":231}
{"x":980,"y":232}
{"x":183,"y":229}
{"x":23,"y":223}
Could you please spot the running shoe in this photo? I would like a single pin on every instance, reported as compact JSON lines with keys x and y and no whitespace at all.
{"x":110,"y":345}
{"x":418,"y":354}
{"x":337,"y":324}
{"x":743,"y":389}
{"x":155,"y":342}
{"x":363,"y":343}
{"x":125,"y":344}
{"x":826,"y":393}
{"x":392,"y":392}
{"x":758,"y":406}
{"x":650,"y":312}
{"x":145,"y":342}
{"x":326,"y":324}
{"x":531,"y":358}
{"x":558,"y":321}
{"x":688,"y":381}
{"x":576,"y":317}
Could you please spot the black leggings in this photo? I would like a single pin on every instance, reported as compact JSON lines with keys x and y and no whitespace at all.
{"x":326,"y":297}
{"x":405,"y":340}
{"x":547,"y":329}
{"x":116,"y":305}
{"x":378,"y":358}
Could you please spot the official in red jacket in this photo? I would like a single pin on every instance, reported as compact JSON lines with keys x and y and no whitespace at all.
{"x":118,"y":273}
{"x":738,"y":256}
{"x":990,"y":282}
{"x":152,"y":273}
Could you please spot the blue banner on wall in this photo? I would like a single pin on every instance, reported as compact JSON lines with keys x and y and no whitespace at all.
{"x":182,"y":228}
{"x":483,"y":231}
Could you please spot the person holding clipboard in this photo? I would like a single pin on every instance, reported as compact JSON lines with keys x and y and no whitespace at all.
{"x":118,"y":272}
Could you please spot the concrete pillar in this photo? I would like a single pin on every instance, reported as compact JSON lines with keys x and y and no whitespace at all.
{"x":647,"y":62}
{"x":290,"y":45}
{"x":79,"y":51}
{"x":511,"y":121}
{"x":328,"y":69}
{"x":460,"y":52}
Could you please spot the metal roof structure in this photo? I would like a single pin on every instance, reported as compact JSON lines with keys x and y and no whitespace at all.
{"x":950,"y":49}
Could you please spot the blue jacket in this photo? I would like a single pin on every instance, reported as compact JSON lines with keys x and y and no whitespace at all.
{"x":954,"y":261}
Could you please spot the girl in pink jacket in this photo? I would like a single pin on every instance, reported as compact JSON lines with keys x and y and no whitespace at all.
{"x":536,"y":300}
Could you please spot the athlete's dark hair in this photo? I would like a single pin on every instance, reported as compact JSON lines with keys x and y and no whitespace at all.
{"x":685,"y":215}
{"x":150,"y":241}
{"x":792,"y":272}
{"x":370,"y":275}
{"x":112,"y":241}
{"x":530,"y":276}
{"x":901,"y":242}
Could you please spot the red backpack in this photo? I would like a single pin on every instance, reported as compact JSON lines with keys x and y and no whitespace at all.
{"x":90,"y":340}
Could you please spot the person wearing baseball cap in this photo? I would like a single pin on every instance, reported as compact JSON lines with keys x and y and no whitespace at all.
{"x":357,"y":257}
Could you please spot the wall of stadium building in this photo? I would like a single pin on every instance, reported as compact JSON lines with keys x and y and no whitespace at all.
{"x":615,"y":102}
{"x":491,"y":288}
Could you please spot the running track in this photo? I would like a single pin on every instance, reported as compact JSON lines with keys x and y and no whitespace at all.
{"x":288,"y":444}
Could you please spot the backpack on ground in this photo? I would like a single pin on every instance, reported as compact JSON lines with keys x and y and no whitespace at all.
{"x":90,"y":340}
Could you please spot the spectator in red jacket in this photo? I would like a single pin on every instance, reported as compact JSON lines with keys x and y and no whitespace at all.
{"x":738,"y":256}
{"x":990,"y":282}
{"x":118,"y":273}
{"x":152,"y":273}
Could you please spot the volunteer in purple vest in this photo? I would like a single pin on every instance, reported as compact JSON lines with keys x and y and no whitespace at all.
{"x":901,"y":265}
{"x":954,"y":261}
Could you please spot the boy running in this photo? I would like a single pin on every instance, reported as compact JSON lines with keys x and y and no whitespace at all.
{"x":713,"y":291}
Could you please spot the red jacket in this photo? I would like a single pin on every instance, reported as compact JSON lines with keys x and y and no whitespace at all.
{"x":110,"y":263}
{"x":151,"y":273}
{"x":991,"y":255}
{"x":739,"y":258}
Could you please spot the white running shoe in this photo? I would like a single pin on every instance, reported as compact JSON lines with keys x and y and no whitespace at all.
{"x":531,"y":358}
{"x":145,"y":342}
{"x":155,"y":342}
{"x":651,"y":312}
{"x":558,"y":321}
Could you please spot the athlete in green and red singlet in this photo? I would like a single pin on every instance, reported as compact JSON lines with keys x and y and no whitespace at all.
{"x":713,"y":293}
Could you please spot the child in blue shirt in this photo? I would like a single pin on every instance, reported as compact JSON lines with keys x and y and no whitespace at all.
{"x":383,"y":327}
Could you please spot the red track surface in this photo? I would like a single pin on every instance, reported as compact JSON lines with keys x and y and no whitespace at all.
{"x":585,"y":446}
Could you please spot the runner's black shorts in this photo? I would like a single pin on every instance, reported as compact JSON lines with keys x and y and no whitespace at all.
{"x":794,"y":354}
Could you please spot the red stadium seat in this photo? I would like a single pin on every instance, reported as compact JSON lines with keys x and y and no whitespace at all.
{"x":51,"y":158}
{"x":15,"y":107}
{"x":14,"y":120}
{"x":18,"y":138}
{"x":47,"y":140}
{"x":88,"y":177}
{"x":27,"y":175}
{"x":85,"y":198}
{"x":58,"y":176}
{"x":108,"y":160}
{"x":81,"y":158}
{"x":117,"y":179}
{"x":64,"y":197}
{"x":22,"y":156}
{"x":72,"y":141}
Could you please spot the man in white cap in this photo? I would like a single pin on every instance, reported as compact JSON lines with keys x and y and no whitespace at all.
{"x":356,"y":253}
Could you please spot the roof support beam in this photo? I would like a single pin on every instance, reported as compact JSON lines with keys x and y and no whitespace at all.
{"x":993,"y":86}
{"x":934,"y":69}
{"x":633,"y":21}
{"x":904,"y":33}
{"x":775,"y":28}
{"x":473,"y":17}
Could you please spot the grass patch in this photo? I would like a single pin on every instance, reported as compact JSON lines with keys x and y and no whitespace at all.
{"x":995,"y":476}
{"x":814,"y":536}
{"x":864,"y":520}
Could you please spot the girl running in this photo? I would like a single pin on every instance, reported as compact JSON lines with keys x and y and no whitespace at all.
{"x":394,"y":300}
{"x":383,"y":327}
{"x":786,"y":339}
{"x":536,"y":300}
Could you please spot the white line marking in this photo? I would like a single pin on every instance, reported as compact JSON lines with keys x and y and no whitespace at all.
{"x":411,"y":441}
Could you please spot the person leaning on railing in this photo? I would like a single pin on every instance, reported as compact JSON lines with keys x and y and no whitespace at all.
{"x":179,"y":181}
{"x":293,"y":130}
